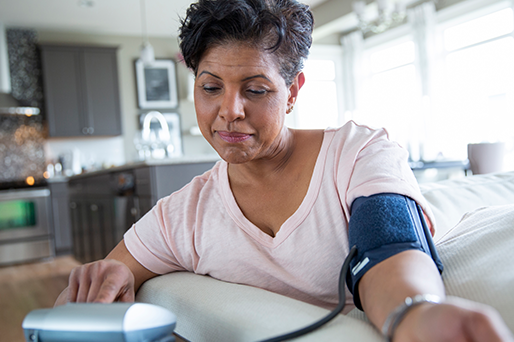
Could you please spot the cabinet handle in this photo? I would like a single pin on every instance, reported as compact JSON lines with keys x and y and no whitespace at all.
{"x":73,"y":205}
{"x":133,"y":212}
{"x":94,"y":207}
{"x":88,"y":130}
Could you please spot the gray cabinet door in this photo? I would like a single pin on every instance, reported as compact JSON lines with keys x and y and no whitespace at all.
{"x":102,"y":92}
{"x":81,"y":90}
{"x":170,"y":178}
{"x":63,"y":91}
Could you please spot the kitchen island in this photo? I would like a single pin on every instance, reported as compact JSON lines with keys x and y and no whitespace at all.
{"x":105,"y":203}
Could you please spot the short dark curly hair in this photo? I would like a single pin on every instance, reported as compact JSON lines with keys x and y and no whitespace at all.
{"x":282,"y":27}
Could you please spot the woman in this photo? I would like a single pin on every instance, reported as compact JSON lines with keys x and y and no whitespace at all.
{"x":274,"y":212}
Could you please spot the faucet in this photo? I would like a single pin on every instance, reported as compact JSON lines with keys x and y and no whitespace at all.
{"x":164,"y":126}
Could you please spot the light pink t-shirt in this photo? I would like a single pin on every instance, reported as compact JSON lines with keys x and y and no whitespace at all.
{"x":201,"y":229}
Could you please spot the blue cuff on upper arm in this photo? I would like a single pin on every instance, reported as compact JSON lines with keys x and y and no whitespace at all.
{"x":381,"y":226}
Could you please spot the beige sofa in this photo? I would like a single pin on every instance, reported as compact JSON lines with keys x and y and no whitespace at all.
{"x":475,"y":238}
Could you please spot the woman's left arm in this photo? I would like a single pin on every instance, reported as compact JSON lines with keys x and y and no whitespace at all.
{"x":407,"y":274}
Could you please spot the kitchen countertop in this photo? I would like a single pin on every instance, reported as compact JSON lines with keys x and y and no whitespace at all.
{"x":142,"y":163}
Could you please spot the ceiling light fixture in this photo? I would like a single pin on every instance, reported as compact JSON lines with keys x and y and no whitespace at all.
{"x":386,"y":16}
{"x":147,"y":54}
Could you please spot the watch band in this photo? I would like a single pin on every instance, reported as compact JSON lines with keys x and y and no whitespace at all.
{"x":397,"y":315}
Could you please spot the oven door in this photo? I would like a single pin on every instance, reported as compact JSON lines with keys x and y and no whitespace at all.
{"x":25,"y":225}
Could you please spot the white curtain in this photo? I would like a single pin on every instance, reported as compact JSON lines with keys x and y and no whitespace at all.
{"x":422,"y":20}
{"x":352,"y":44}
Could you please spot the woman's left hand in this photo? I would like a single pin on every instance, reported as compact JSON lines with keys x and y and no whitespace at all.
{"x":454,"y":320}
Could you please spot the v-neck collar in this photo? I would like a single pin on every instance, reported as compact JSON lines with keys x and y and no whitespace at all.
{"x":289,"y":226}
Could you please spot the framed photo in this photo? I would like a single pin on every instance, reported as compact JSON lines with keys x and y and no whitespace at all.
{"x":157,"y":84}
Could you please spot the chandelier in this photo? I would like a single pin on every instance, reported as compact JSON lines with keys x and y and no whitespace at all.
{"x":386,"y":18}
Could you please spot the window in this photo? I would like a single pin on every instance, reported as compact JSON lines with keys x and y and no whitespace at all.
{"x":318,"y":105}
{"x":472,"y":83}
{"x":474,"y":98}
{"x":478,"y":30}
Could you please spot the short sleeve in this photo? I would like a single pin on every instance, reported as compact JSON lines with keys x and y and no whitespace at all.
{"x":372,"y":164}
{"x":149,"y":245}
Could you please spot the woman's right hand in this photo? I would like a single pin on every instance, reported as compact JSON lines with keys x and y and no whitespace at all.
{"x":103,"y":281}
{"x":116,"y":278}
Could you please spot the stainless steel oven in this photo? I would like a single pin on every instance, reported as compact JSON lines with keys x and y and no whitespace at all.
{"x":25,"y":220}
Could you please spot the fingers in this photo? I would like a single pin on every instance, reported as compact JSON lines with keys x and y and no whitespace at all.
{"x":62,"y":299}
{"x":113,"y":288}
{"x":102,"y":281}
{"x":84,"y":283}
{"x":73,"y":285}
{"x":128,"y":296}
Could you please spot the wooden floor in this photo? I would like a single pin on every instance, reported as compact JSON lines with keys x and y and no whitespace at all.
{"x":27,"y":287}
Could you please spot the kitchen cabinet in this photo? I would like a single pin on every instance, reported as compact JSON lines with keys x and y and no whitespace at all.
{"x":60,"y":218}
{"x":105,"y":204}
{"x":155,"y":182}
{"x":81,"y":90}
{"x":92,"y":217}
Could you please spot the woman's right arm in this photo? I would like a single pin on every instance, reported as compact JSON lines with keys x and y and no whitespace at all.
{"x":115,"y":278}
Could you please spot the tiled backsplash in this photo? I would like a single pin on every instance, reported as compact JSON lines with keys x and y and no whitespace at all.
{"x":21,"y":148}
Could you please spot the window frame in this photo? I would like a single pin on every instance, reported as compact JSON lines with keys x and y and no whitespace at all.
{"x":456,"y":15}
{"x":464,"y":12}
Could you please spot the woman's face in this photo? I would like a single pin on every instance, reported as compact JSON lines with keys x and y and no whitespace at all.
{"x":241,"y":102}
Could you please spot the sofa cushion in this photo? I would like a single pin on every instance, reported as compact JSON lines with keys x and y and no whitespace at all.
{"x":451,"y":199}
{"x":478,"y":254}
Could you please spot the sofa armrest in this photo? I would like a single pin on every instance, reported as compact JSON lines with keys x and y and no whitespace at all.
{"x":211,"y":310}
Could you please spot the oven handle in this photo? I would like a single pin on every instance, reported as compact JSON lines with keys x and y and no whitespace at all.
{"x":24,"y":194}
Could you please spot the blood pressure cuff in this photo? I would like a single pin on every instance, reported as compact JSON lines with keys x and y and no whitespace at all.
{"x":381,"y":226}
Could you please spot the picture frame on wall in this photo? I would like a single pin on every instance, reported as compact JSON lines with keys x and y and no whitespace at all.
{"x":157,"y":84}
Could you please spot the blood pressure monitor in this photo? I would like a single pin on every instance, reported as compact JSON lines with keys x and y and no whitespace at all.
{"x":86,"y":322}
